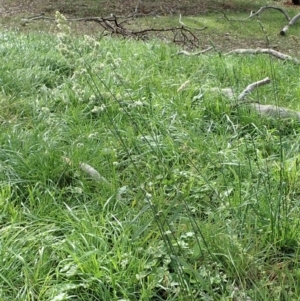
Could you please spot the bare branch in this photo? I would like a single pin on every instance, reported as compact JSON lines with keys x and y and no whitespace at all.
{"x":184,"y":52}
{"x":274,"y":111}
{"x":291,"y":23}
{"x":294,"y":19}
{"x":252,"y":86}
{"x":273,"y":52}
{"x":116,"y":26}
{"x":136,"y":7}
{"x":254,"y":14}
{"x":269,"y":7}
{"x":262,"y":110}
{"x":190,"y":27}
{"x":283,"y":31}
{"x":187,"y":37}
{"x":230,"y":93}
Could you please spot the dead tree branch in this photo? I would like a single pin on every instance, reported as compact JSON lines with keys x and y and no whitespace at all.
{"x":114,"y":25}
{"x":291,"y":23}
{"x":253,"y":86}
{"x":194,"y":53}
{"x":190,"y":27}
{"x":262,"y":110}
{"x":136,"y":7}
{"x":267,"y":110}
{"x":273,"y":52}
{"x":274,"y":111}
{"x":254,"y":14}
{"x":182,"y":35}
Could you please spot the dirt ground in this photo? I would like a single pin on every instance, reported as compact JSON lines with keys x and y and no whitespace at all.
{"x":12,"y":11}
{"x":118,"y":7}
{"x":79,"y":8}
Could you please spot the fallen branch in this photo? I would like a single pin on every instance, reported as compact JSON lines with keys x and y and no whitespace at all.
{"x":273,"y":52}
{"x":274,"y":111}
{"x":187,"y":37}
{"x":262,"y":110}
{"x":184,"y":52}
{"x":136,"y":6}
{"x":291,"y":23}
{"x":114,"y":25}
{"x":230,"y":94}
{"x":253,"y":86}
{"x":253,"y":14}
{"x":190,"y":27}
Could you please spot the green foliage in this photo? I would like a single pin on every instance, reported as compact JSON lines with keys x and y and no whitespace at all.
{"x":195,"y":198}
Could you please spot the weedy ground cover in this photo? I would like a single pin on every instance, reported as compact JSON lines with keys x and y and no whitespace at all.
{"x":197,"y":197}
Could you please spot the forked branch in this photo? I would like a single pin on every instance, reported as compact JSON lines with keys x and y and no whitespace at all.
{"x":113,"y":25}
{"x":262,"y":110}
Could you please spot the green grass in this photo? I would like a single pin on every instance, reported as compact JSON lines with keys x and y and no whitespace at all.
{"x":201,"y":198}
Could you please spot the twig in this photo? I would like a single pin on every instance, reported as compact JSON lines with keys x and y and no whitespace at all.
{"x":184,"y":25}
{"x":184,"y":52}
{"x":191,"y":39}
{"x":24,"y":21}
{"x":275,"y":53}
{"x":152,"y":13}
{"x":252,"y":86}
{"x":136,"y":7}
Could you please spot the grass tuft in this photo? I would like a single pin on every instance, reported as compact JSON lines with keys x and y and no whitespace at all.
{"x":200,"y":197}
